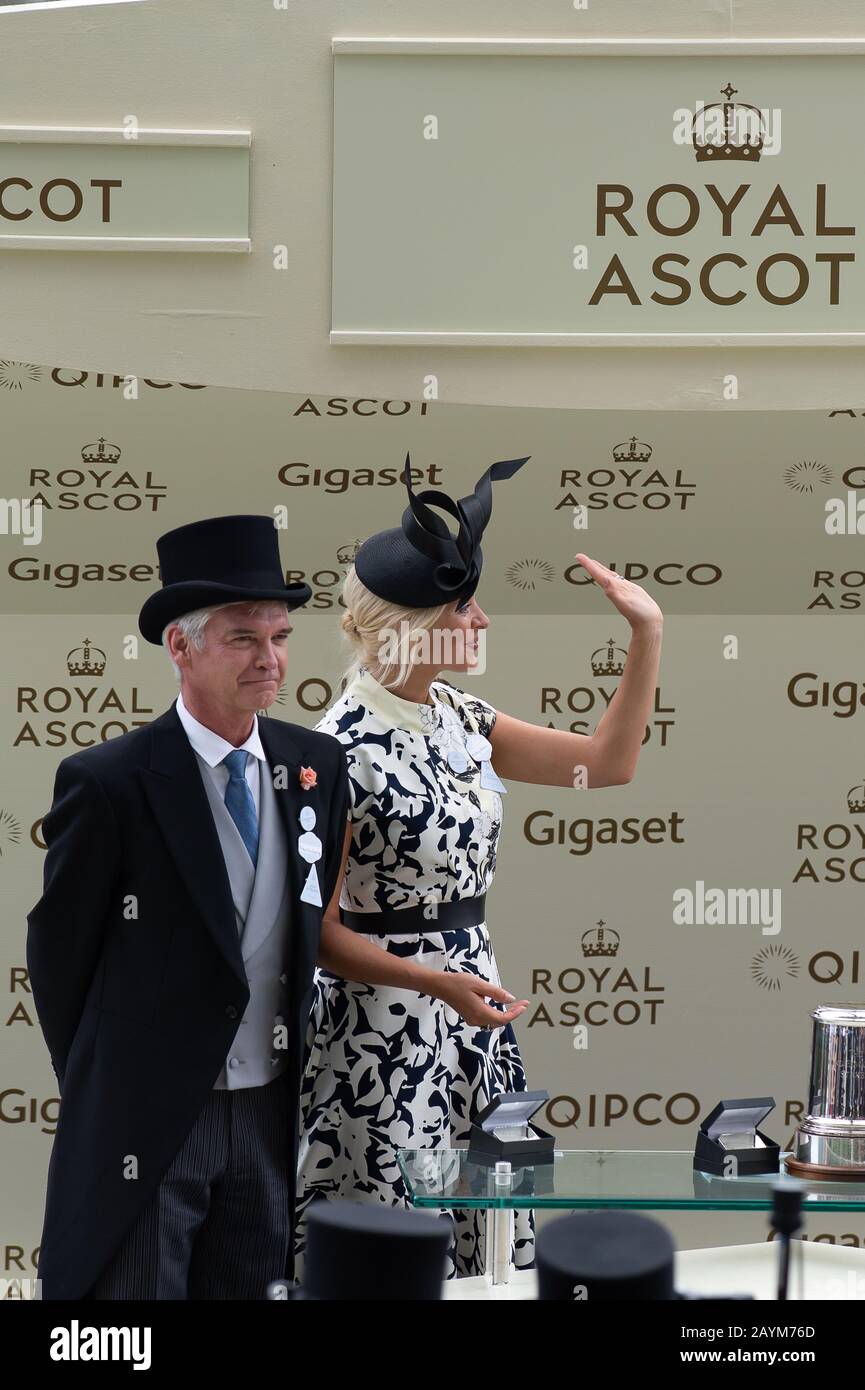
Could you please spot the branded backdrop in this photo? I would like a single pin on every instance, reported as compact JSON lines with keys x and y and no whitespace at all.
{"x":742,"y":525}
{"x":553,"y":192}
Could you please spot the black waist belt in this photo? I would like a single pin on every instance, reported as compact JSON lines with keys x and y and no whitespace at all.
{"x":425,"y":917}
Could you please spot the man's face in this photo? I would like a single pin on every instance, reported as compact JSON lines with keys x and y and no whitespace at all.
{"x":242,"y":664}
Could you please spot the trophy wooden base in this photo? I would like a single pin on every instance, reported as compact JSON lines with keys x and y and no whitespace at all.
{"x":823,"y":1172}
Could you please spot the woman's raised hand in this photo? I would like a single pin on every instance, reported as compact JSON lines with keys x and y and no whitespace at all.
{"x":632,"y":601}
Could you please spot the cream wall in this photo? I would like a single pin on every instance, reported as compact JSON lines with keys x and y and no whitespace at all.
{"x":233,"y":320}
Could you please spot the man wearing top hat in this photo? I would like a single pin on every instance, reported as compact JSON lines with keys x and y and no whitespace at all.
{"x":171,"y":954}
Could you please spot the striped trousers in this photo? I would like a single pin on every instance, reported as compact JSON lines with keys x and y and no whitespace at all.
{"x":218,"y":1225}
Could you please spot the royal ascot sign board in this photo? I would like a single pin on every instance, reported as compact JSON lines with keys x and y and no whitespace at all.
{"x":598,"y":193}
{"x":124,"y":189}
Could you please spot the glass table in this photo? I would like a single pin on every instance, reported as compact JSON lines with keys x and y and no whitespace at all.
{"x":635,"y":1179}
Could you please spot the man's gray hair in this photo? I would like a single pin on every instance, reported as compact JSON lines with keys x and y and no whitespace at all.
{"x":192,"y":624}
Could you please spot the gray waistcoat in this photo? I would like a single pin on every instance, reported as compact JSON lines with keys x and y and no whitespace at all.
{"x":261,"y":910}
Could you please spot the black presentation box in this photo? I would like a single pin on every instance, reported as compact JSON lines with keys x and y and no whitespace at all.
{"x":511,"y":1111}
{"x":730,"y":1131}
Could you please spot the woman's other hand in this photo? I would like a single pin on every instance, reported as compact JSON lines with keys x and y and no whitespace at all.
{"x":466,"y":993}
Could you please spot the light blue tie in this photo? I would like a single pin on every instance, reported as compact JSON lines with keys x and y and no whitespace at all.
{"x":240,"y":801}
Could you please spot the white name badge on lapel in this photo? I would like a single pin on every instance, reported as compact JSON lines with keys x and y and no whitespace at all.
{"x":479,"y":747}
{"x":311,"y":891}
{"x":309,"y":847}
{"x":482,"y":750}
{"x":490,"y":780}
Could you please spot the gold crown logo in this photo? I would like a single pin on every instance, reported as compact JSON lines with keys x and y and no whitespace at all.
{"x":632,"y":451}
{"x":85,"y":661}
{"x":856,"y":799}
{"x":346,"y":553}
{"x":609,"y":660}
{"x":600,"y":941}
{"x":733,"y":130}
{"x":100,"y":452}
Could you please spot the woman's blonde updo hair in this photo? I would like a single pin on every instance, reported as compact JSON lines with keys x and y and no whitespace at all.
{"x":370,"y":622}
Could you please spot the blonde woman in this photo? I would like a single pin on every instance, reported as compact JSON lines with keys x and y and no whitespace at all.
{"x":408,"y":1058}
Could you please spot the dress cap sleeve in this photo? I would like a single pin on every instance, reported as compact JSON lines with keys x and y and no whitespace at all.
{"x":477,"y":714}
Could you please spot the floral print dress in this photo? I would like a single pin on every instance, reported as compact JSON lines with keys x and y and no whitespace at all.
{"x":386,"y":1068}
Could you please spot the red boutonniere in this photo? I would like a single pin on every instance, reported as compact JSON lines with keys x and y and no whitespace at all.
{"x":308,"y":778}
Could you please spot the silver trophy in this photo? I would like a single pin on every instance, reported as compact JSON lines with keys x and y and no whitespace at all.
{"x":830,"y":1142}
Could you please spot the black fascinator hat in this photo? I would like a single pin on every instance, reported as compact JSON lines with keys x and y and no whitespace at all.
{"x":421,"y":563}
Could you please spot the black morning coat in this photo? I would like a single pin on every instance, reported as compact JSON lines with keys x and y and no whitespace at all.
{"x":139,"y":1012}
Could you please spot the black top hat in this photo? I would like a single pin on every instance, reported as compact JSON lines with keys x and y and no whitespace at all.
{"x":359,"y":1251}
{"x":606,"y":1255}
{"x":421,"y":564}
{"x":223,"y":559}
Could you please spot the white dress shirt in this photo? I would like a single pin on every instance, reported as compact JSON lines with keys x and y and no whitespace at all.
{"x":212,"y":748}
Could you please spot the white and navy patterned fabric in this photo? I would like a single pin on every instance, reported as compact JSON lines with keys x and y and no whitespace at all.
{"x":387,"y":1068}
